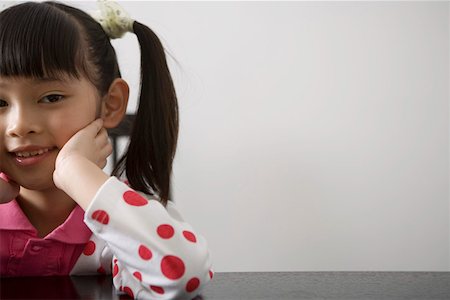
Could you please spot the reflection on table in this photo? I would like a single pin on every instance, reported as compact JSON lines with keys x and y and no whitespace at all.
{"x":251,"y":285}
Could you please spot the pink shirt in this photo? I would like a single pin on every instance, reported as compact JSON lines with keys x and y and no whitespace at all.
{"x":151,"y":252}
{"x":23,"y":253}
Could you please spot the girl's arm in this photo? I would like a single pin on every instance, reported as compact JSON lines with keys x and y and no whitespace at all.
{"x":81,"y":180}
{"x":8,"y":189}
{"x":154,"y":252}
{"x":78,"y":167}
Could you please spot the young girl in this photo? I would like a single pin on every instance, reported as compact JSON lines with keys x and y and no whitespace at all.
{"x":60,"y":87}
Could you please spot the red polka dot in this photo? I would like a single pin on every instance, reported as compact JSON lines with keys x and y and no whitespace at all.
{"x":192,"y":284}
{"x":121,"y":288}
{"x":134,"y":198}
{"x":211,"y":274}
{"x":101,"y":270}
{"x":128,"y":291}
{"x":145,"y":253}
{"x":189,"y":236}
{"x":100,"y":216}
{"x":165,"y":231}
{"x":115,"y":260}
{"x":115,"y":270}
{"x":172,"y":267}
{"x":89,"y":249}
{"x":157,"y":289}
{"x":137,"y":275}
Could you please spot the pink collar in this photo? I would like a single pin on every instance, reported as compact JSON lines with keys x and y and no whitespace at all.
{"x":72,"y":231}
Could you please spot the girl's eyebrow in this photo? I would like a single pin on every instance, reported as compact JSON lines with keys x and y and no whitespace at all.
{"x":48,"y":80}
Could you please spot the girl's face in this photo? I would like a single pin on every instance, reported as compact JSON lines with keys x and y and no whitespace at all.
{"x":37,"y":118}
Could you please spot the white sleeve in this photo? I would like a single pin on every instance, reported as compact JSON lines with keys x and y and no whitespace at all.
{"x":156,"y":255}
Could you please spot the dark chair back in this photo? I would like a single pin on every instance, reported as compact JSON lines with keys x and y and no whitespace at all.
{"x":124,"y":129}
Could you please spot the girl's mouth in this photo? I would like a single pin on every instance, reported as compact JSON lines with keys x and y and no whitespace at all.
{"x":29,"y":158}
{"x":32,"y":153}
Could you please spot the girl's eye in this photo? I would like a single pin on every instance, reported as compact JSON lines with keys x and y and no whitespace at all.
{"x":52,"y":98}
{"x":3,"y":103}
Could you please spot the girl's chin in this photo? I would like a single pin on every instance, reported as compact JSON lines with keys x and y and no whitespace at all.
{"x":34,"y":178}
{"x":39,"y":186}
{"x":40,"y":183}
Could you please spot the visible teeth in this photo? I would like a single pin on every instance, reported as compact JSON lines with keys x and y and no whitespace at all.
{"x":32,"y":153}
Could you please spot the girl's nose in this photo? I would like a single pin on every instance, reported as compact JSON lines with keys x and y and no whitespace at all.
{"x":22,"y":122}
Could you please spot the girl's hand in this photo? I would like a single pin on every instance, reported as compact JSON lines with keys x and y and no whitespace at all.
{"x":89,"y":143}
{"x":8,"y":189}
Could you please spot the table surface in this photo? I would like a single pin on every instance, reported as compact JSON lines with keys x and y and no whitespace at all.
{"x":252,"y":285}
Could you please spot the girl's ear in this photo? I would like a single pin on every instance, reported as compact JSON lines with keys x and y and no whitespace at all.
{"x":114,"y":104}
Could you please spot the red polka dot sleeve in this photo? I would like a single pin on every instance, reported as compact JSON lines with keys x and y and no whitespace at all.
{"x":151,"y":252}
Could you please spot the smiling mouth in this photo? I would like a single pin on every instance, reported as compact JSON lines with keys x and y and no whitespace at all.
{"x":25,"y":154}
{"x":30,"y":157}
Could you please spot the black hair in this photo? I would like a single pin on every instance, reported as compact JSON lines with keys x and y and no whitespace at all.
{"x":53,"y":40}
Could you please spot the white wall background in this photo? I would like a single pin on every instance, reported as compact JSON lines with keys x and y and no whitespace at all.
{"x":314,"y":135}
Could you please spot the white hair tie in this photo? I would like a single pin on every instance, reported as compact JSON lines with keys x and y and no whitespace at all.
{"x":113,"y":18}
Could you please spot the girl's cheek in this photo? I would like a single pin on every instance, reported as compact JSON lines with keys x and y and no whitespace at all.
{"x":64,"y":127}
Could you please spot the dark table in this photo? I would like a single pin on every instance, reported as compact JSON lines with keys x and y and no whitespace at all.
{"x":253,"y":285}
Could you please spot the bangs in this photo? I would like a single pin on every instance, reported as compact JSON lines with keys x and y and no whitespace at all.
{"x":39,"y":41}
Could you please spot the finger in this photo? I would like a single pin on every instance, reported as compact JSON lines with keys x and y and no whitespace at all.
{"x":107,"y":145}
{"x":102,"y":139}
{"x":9,"y":191}
{"x":99,"y":124}
{"x":109,"y":149}
{"x":105,"y":151}
{"x":4,"y":176}
{"x":9,"y":180}
{"x":103,"y":133}
{"x":96,"y":126}
{"x":102,"y":164}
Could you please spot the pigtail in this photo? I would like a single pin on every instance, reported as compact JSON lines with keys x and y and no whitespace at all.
{"x":153,"y":140}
